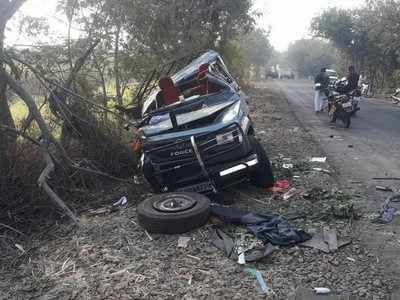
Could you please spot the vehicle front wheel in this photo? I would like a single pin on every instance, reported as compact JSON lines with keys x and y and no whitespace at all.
{"x":262,"y":176}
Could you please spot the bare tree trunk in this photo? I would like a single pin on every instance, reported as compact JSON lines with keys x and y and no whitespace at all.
{"x":8,"y":141}
{"x":103,"y":85}
{"x":116,"y":66}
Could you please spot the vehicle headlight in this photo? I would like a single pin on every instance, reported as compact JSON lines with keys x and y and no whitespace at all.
{"x":231,"y":113}
{"x":225,"y":138}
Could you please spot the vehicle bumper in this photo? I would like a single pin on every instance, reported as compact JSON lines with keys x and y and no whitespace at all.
{"x":222,"y":176}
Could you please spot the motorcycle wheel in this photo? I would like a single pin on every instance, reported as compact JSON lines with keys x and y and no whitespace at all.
{"x":346,"y":119}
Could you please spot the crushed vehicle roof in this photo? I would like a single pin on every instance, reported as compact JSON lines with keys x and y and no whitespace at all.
{"x":191,"y":69}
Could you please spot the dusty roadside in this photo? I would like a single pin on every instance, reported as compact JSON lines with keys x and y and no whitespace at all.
{"x":111,"y":257}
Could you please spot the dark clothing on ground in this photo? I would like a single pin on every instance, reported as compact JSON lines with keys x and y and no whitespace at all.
{"x":267,"y":227}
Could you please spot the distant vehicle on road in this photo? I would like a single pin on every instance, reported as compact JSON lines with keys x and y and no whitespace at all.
{"x":286,"y":74}
{"x":271,"y":74}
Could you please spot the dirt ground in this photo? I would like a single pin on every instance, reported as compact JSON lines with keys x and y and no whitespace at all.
{"x":111,"y":257}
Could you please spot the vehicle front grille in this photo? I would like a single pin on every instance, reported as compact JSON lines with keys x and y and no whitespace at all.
{"x":180,"y":154}
{"x":210,"y":147}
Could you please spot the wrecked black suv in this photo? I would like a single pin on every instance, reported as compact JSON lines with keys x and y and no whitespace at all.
{"x":195,"y":132}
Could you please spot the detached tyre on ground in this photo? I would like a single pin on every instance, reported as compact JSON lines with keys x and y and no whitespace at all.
{"x":173,"y":212}
{"x":262,"y":176}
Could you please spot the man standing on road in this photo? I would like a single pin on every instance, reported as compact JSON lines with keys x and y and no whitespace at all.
{"x":321,"y":84}
{"x":352,"y":79}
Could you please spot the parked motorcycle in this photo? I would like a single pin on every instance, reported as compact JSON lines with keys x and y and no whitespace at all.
{"x":340,"y":107}
{"x":395,"y":97}
{"x":354,"y":96}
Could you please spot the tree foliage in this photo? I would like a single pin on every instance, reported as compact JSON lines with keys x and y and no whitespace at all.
{"x":308,"y":56}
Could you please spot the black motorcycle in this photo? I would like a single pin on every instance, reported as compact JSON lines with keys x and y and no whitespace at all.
{"x":340,"y":107}
{"x":353,"y":95}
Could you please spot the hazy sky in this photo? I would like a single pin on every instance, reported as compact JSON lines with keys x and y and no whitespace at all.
{"x":289,"y":20}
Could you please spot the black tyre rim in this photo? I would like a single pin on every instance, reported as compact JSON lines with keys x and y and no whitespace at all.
{"x":174,"y":203}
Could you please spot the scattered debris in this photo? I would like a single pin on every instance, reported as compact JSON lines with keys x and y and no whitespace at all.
{"x":290,"y":193}
{"x":261,"y":132}
{"x":20,"y":248}
{"x":136,"y":179}
{"x":287,"y":166}
{"x":282,"y":184}
{"x":183,"y":241}
{"x":318,"y":159}
{"x":322,"y":170}
{"x":241,"y":259}
{"x":122,"y":201}
{"x":355,"y":181}
{"x":294,"y":129}
{"x":194,"y":257}
{"x":387,"y":211}
{"x":386,"y":178}
{"x":322,"y":290}
{"x":326,"y":241}
{"x":99,"y":211}
{"x":351,"y":259}
{"x":148,"y":235}
{"x":224,"y":242}
{"x":344,"y":211}
{"x":260,"y":279}
{"x":331,"y":238}
{"x":384,"y":188}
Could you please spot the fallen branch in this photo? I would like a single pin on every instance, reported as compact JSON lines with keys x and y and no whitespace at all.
{"x":12,"y":229}
{"x":47,"y":138}
{"x":42,"y":182}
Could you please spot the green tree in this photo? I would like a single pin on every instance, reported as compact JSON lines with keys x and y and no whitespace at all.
{"x":308,"y":56}
{"x":256,"y":50}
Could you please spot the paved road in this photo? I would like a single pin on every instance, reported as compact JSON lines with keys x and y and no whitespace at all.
{"x":374,"y":135}
{"x":374,"y":140}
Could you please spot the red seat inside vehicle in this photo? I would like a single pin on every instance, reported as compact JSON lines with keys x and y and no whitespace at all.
{"x":170,"y":93}
{"x":206,"y":87}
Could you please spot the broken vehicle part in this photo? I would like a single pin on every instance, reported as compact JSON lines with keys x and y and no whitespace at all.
{"x":173,"y":212}
{"x":226,"y":243}
{"x":326,"y":241}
